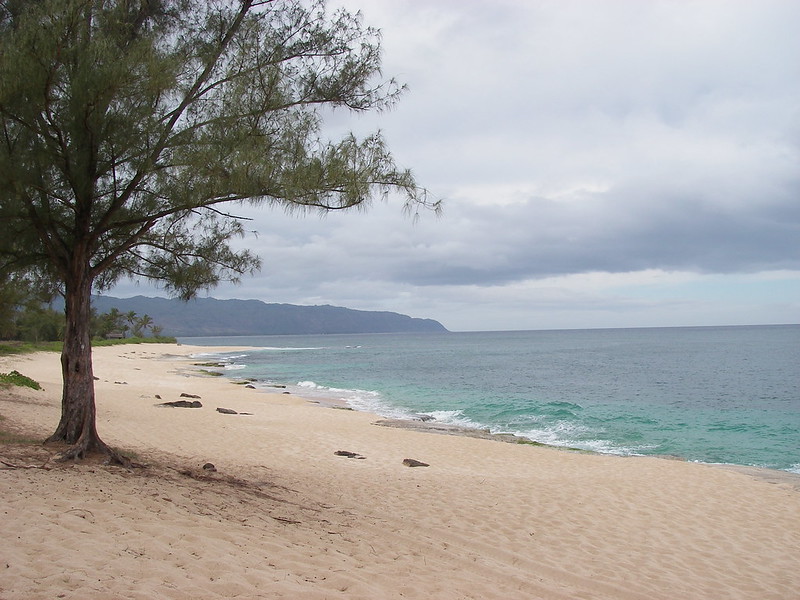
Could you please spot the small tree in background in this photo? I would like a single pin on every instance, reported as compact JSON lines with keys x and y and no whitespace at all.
{"x":132,"y":128}
{"x":106,"y":324}
{"x":142,"y":325}
{"x":132,"y":320}
{"x":12,"y":296}
{"x":26,"y":314}
{"x":39,"y":323}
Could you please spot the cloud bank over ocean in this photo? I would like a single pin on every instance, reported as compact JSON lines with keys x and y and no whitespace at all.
{"x":603,"y":164}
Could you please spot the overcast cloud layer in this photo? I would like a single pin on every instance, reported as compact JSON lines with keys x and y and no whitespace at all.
{"x":603,"y":164}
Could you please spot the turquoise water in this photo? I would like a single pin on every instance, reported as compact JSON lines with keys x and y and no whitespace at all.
{"x":707,"y":394}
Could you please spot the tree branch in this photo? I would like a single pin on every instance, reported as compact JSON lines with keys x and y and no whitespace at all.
{"x":189,"y":97}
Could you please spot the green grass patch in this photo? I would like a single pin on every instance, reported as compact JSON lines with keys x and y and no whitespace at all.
{"x":135,"y":340}
{"x":9,"y":348}
{"x":18,"y":379}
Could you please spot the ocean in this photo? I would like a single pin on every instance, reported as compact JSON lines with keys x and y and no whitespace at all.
{"x":726,"y":395}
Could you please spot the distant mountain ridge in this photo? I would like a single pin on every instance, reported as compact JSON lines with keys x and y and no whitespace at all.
{"x":213,"y":317}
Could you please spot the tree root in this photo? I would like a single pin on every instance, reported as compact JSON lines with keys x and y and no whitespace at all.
{"x":86,"y":449}
{"x":8,"y":465}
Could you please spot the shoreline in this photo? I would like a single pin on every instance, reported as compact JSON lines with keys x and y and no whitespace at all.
{"x":284,"y":515}
{"x":426,"y":424}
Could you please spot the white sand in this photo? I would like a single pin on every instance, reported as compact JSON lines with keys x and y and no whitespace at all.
{"x":283,"y":517}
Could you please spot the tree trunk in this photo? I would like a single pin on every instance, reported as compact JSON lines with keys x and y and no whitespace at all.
{"x":77,"y":426}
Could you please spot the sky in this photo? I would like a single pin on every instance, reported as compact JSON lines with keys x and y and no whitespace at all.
{"x":603,"y":163}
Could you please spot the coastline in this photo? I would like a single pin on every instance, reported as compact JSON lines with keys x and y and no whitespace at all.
{"x":284,"y":516}
{"x":718,"y":396}
{"x":426,"y":423}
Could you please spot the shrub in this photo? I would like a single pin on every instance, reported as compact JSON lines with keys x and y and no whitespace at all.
{"x":17,"y":378}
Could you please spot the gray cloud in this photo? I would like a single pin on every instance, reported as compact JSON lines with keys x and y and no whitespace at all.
{"x":567,"y":138}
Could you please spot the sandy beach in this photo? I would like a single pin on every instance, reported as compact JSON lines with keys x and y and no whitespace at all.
{"x":284,"y":516}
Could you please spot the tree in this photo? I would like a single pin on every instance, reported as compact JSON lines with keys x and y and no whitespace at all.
{"x":12,"y":295}
{"x":106,"y":324}
{"x":25,"y":311}
{"x":132,"y":318}
{"x":142,"y":325}
{"x":132,"y":128}
{"x":37,"y":323}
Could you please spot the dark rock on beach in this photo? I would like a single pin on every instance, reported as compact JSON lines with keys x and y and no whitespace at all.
{"x":183,"y":404}
{"x":423,"y":418}
{"x":348,"y":454}
{"x":185,"y":395}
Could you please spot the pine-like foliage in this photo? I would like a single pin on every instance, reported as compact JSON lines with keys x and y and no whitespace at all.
{"x":131,"y":129}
